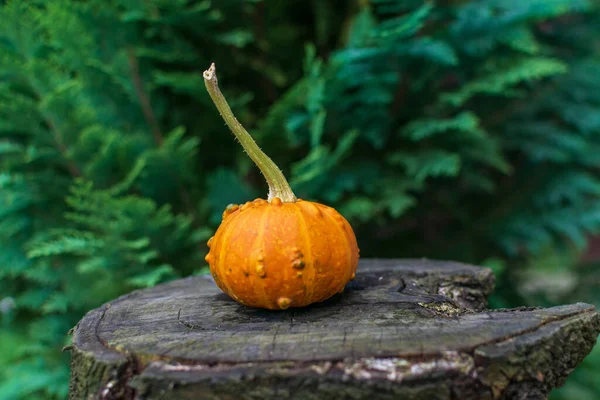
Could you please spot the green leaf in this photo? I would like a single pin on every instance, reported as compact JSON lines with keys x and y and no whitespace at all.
{"x":237,"y":38}
{"x":151,"y":278}
{"x":57,"y":303}
{"x":82,"y":244}
{"x":404,"y":26}
{"x":427,"y":164}
{"x":226,"y":187}
{"x":7,"y":147}
{"x":435,"y":50}
{"x":358,"y":209}
{"x":362,"y":26}
{"x":498,"y":80}
{"x":465,"y":122}
{"x":316,"y":128}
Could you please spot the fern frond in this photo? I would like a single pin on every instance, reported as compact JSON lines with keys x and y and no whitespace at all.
{"x":465,"y":122}
{"x":427,"y":164}
{"x":497,"y":81}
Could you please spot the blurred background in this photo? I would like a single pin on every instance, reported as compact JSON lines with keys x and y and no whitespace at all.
{"x":450,"y":129}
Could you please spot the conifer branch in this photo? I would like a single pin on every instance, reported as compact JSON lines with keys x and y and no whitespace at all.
{"x":143,"y":97}
{"x":262,"y":41}
{"x":62,"y":148}
{"x":57,"y":135}
{"x":503,"y":114}
{"x":152,"y":121}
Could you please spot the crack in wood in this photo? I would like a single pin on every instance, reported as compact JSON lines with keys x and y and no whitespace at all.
{"x":97,"y":327}
{"x":191,"y":327}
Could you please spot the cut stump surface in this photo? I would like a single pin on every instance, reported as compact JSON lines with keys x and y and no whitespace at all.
{"x":410,"y":329}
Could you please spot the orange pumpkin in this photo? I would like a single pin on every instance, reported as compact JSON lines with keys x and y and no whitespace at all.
{"x":281,"y":252}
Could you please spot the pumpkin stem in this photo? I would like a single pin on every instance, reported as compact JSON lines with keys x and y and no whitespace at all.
{"x":278,"y":185}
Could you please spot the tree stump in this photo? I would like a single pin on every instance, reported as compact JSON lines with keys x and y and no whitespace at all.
{"x":403,"y":329}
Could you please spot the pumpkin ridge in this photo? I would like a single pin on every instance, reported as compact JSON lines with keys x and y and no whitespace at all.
{"x":307,"y":281}
{"x":214,"y":254}
{"x":349,"y":250}
{"x":343,"y":234}
{"x":221,"y":255}
{"x":260,"y":282}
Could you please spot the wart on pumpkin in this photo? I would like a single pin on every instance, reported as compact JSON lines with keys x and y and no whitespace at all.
{"x":281,"y":252}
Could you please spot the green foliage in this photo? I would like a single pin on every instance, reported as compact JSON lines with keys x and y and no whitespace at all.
{"x":465,"y":130}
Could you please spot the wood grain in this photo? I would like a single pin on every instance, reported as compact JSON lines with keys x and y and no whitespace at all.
{"x":410,"y":328}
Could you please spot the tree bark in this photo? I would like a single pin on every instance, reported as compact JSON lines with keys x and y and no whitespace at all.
{"x":410,"y":329}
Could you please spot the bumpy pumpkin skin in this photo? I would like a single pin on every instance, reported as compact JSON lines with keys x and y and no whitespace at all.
{"x":278,"y":255}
